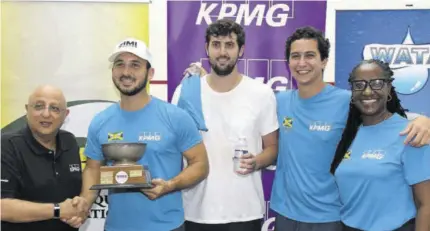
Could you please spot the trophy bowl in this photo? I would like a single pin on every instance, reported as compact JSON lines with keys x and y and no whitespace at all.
{"x":123,"y":153}
{"x":125,"y":171}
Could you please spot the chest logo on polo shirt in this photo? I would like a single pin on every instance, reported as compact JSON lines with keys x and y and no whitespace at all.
{"x":150,"y":136}
{"x":376,"y":154}
{"x":320,"y":126}
{"x":347,"y":155}
{"x":112,"y":136}
{"x":74,"y":167}
{"x":287,"y":122}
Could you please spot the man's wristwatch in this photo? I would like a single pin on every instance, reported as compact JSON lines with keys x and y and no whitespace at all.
{"x":56,"y":211}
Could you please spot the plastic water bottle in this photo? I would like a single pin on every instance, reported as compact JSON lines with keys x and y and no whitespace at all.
{"x":240,"y":149}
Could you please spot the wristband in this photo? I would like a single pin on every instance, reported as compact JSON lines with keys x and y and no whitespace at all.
{"x":56,"y":211}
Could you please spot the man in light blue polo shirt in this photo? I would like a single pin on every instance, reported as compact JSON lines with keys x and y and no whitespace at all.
{"x":170,"y":135}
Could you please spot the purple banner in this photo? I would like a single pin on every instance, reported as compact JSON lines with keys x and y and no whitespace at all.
{"x":267,"y":25}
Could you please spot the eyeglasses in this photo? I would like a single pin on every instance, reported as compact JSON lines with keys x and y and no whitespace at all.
{"x":374,"y":84}
{"x":42,"y":107}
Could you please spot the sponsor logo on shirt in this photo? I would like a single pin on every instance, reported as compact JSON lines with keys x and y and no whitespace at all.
{"x":112,"y":136}
{"x":347,"y":155}
{"x":320,"y":126}
{"x":74,"y":167}
{"x":287,"y":122}
{"x":373,"y":154}
{"x":150,"y":136}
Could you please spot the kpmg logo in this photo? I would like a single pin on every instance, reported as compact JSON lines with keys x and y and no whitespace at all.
{"x":74,"y":167}
{"x":320,"y":126}
{"x":373,"y":154}
{"x":150,"y":136}
{"x":410,"y":62}
{"x":275,"y":15}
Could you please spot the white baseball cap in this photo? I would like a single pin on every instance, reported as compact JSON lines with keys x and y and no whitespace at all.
{"x":134,"y":46}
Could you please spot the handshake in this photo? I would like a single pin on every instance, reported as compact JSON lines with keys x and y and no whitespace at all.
{"x":74,"y":211}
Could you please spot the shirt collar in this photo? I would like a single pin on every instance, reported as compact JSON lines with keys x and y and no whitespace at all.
{"x":37,"y":147}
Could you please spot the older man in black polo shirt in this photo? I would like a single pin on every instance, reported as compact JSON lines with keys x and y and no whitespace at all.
{"x":40,"y":169}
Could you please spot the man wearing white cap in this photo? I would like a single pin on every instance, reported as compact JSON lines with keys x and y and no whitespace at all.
{"x":169,"y":133}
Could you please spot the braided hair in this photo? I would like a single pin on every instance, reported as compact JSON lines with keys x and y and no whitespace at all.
{"x":354,"y":116}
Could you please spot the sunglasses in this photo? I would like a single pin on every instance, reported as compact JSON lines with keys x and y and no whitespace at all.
{"x":374,"y":84}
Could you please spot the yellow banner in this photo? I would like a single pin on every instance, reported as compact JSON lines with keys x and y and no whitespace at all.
{"x":66,"y":44}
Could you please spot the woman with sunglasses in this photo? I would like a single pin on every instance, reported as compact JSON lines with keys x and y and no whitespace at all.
{"x":383,"y":183}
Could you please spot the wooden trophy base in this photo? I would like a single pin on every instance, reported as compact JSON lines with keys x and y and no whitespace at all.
{"x":123,"y":176}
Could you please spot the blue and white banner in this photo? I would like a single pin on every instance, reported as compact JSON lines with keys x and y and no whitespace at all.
{"x":399,"y":37}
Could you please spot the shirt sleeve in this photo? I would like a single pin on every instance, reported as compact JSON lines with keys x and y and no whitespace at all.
{"x":416,"y":164}
{"x":176,"y":94}
{"x":268,"y":119}
{"x":187,"y":133}
{"x":10,"y":171}
{"x":93,"y":148}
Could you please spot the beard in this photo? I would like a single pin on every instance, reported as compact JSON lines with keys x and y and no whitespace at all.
{"x":133,"y":91}
{"x":223,"y":71}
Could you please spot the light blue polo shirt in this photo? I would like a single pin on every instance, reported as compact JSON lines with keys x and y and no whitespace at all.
{"x":168,"y":131}
{"x":376,"y":175}
{"x":304,"y":189}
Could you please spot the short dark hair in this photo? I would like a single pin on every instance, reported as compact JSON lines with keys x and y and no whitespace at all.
{"x":308,"y":32}
{"x":225,"y":27}
{"x":354,"y":117}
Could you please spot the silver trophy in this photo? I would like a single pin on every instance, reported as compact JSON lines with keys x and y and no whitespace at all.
{"x":124,"y":172}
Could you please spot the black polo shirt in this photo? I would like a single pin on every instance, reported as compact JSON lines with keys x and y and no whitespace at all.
{"x":31,"y":172}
